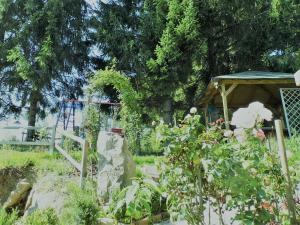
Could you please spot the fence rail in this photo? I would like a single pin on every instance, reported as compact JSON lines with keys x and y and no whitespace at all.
{"x":49,"y":143}
{"x":80,"y":166}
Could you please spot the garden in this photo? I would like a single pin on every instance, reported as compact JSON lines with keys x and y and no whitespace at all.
{"x":201,"y":175}
{"x":166,"y":112}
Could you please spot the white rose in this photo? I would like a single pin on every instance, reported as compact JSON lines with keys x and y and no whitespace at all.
{"x":265,"y":114}
{"x":261,"y":112}
{"x":193,"y":110}
{"x":256,"y":106}
{"x":243,"y":118}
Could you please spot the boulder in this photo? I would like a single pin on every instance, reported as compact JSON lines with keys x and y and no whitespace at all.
{"x":47,"y":192}
{"x":19,"y":194}
{"x":9,"y":179}
{"x":116,"y":167}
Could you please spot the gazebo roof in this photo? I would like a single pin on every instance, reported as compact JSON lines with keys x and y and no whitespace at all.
{"x":248,"y":86}
{"x":256,"y":76}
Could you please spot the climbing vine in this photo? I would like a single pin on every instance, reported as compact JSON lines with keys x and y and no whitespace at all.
{"x":130,"y":111}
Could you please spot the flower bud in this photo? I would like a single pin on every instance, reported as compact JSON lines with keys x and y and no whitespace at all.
{"x":193,"y":110}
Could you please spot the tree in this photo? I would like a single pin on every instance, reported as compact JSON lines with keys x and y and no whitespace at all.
{"x":43,"y":53}
{"x":171,"y":49}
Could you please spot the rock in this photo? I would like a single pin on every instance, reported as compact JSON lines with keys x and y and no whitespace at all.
{"x":116,"y":167}
{"x":47,"y":192}
{"x":10,"y":177}
{"x":19,"y":194}
{"x":106,"y":221}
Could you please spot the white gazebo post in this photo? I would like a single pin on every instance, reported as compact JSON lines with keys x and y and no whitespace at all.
{"x":297,"y":78}
{"x":224,"y":95}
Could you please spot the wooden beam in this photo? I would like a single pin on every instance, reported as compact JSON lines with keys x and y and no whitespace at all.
{"x":71,"y":136}
{"x":83,"y":173}
{"x":205,"y":115}
{"x":230,"y":89}
{"x":24,"y":127}
{"x":225,"y":106}
{"x":68,"y":157}
{"x":25,"y":143}
{"x":285,"y":171}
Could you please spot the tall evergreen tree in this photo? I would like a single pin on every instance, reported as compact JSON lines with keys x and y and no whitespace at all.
{"x":175,"y":47}
{"x":43,"y":54}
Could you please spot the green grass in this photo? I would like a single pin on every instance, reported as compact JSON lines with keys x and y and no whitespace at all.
{"x":149,"y":160}
{"x":40,"y":160}
{"x":11,"y":158}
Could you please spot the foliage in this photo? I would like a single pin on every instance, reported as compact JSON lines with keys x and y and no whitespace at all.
{"x":8,"y":218}
{"x":69,"y":144}
{"x":42,"y":217}
{"x":130,"y":112}
{"x":37,"y":63}
{"x":149,"y":142}
{"x":205,"y":166}
{"x":172,"y":48}
{"x":43,"y":134}
{"x":92,"y":124}
{"x":82,"y":206}
{"x":141,"y":199}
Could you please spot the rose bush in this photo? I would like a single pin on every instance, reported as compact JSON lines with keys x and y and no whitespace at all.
{"x":230,"y":170}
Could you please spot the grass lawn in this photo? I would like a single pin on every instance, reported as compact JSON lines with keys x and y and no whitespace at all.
{"x":40,"y":160}
{"x":149,"y":160}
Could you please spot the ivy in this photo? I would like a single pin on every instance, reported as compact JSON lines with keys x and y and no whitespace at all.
{"x":130,"y":110}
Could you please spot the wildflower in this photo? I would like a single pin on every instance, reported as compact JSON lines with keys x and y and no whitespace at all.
{"x":193,"y":110}
{"x":153,"y":123}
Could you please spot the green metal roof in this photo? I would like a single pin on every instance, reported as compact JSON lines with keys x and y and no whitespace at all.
{"x":254,"y":75}
{"x":249,"y":83}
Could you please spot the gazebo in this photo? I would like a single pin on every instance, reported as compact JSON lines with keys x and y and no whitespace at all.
{"x":239,"y":89}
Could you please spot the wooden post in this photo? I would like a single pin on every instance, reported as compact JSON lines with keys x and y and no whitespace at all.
{"x":83,"y":171}
{"x":205,"y":115}
{"x":285,"y":171}
{"x":225,"y":106}
{"x":52,"y":146}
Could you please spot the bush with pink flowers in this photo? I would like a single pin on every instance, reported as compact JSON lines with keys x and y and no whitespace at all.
{"x":232,"y":170}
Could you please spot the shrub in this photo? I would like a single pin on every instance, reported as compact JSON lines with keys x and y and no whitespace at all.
{"x":230,"y":172}
{"x":141,"y":199}
{"x":42,"y":217}
{"x":8,"y":218}
{"x":82,"y":206}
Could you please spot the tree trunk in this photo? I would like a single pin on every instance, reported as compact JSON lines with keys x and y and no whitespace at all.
{"x":167,"y":111}
{"x":32,"y":113}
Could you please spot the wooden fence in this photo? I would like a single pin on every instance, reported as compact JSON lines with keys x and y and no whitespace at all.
{"x":80,"y":166}
{"x":48,"y":141}
{"x":51,"y":142}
